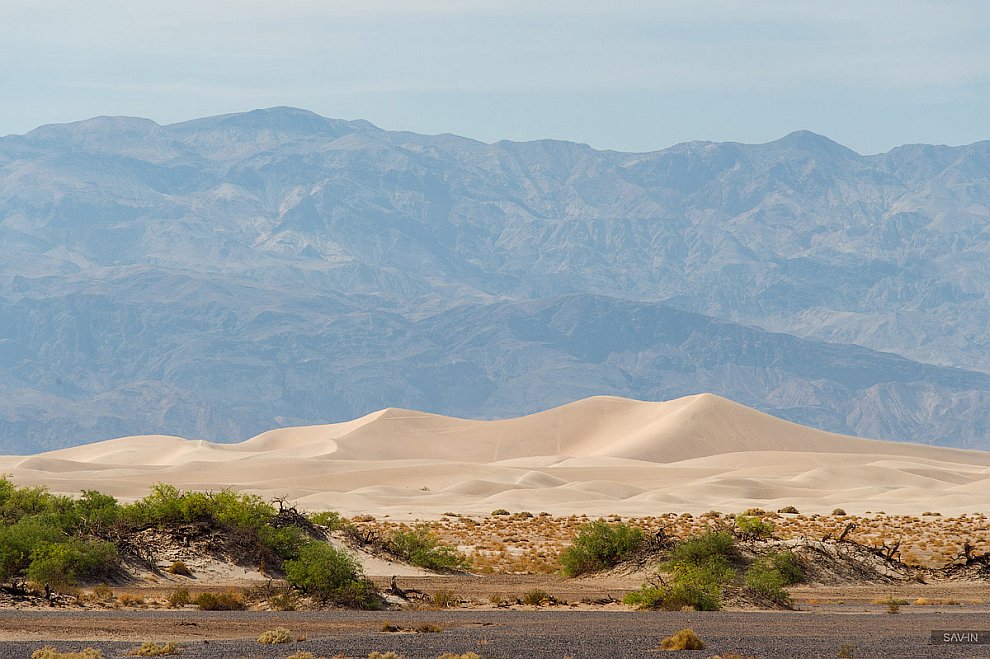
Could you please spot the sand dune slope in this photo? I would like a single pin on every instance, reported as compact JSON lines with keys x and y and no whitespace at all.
{"x":597,"y":456}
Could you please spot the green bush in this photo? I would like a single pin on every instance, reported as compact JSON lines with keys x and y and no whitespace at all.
{"x":788,"y":564}
{"x":600,"y":545}
{"x":753,"y":527}
{"x":166,"y":505}
{"x":285,"y":542}
{"x":20,"y":539}
{"x":58,"y":539}
{"x":98,"y":512}
{"x":703,"y":549}
{"x":647,"y":597}
{"x":421,"y":548}
{"x":768,"y":575}
{"x":331,"y":575}
{"x":65,"y":563}
{"x":328,"y":518}
{"x":698,"y":568}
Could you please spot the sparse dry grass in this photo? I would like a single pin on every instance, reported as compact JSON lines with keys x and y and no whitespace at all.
{"x":520,"y":544}
{"x":130,"y":599}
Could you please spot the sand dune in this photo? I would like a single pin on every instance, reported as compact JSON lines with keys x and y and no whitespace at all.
{"x":596,"y":456}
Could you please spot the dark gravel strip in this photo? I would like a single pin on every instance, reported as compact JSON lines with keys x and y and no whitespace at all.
{"x":536,"y":634}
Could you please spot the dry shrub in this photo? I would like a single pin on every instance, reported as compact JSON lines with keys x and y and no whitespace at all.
{"x":384,"y":655}
{"x":48,"y":652}
{"x":130,"y":599}
{"x":101,"y":593}
{"x":275,"y":636}
{"x":685,"y":639}
{"x":845,"y":651}
{"x":498,"y":599}
{"x":230,"y":600}
{"x":389,"y":628}
{"x":466,"y":655}
{"x":538,"y":597}
{"x":444,"y":598}
{"x":429,"y":628}
{"x":150,"y":649}
{"x":178,"y":598}
{"x":179,"y":568}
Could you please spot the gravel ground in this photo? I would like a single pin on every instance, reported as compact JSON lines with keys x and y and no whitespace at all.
{"x":508,"y":634}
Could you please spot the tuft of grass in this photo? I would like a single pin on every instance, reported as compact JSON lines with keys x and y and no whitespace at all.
{"x":684,"y":639}
{"x":275,"y":636}
{"x":179,"y":568}
{"x":538,"y":597}
{"x":893,"y":605}
{"x":429,"y":628}
{"x":845,"y":651}
{"x":444,"y":598}
{"x":151,"y":649}
{"x":48,"y":652}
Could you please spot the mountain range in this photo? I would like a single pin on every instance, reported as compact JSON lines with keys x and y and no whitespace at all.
{"x":224,"y":276}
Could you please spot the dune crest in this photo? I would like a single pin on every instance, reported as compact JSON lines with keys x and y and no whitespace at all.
{"x":599,"y":455}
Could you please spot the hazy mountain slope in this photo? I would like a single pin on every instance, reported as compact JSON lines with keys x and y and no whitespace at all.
{"x":225,"y":275}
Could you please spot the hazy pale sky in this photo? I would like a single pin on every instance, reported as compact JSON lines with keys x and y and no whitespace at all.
{"x":616,"y":74}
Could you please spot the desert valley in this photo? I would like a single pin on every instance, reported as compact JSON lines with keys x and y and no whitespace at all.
{"x":873,"y":528}
{"x":543,"y":329}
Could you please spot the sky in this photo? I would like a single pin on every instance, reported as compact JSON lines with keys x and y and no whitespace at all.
{"x":622,"y":74}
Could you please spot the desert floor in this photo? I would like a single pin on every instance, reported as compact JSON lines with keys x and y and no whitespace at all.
{"x":507,"y":634}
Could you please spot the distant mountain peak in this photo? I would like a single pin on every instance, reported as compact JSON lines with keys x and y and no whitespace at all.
{"x":282,"y":119}
{"x":808,"y":141}
{"x":102,"y":125}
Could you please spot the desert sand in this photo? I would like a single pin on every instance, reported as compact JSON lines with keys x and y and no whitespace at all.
{"x":596,"y":456}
